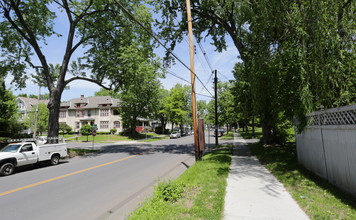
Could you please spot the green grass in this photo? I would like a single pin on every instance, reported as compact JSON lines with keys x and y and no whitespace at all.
{"x":316,"y":196}
{"x":227,"y":136}
{"x":202,"y":196}
{"x":111,"y":138}
{"x":72,"y":152}
{"x":249,"y":135}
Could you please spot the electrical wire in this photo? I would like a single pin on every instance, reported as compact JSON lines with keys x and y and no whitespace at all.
{"x":164,"y":46}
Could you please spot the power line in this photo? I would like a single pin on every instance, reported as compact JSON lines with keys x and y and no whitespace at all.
{"x":154,"y":36}
{"x":223,"y":75}
{"x":205,"y":95}
{"x":174,"y":74}
{"x":206,"y":57}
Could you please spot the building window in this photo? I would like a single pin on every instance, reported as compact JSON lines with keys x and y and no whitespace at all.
{"x":89,"y":113}
{"x":104,"y":124}
{"x":115,"y":112}
{"x":117,"y":124}
{"x":77,"y":125}
{"x":79,"y":114}
{"x":62,"y":114}
{"x":104,"y":112}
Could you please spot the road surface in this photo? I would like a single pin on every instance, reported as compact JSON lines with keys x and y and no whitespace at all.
{"x":108,"y":185}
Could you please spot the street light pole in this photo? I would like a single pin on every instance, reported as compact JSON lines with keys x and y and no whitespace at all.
{"x":36,"y":115}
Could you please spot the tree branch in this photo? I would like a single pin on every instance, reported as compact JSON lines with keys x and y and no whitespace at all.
{"x":89,"y":80}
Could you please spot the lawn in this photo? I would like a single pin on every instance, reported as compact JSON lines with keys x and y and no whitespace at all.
{"x":318,"y":198}
{"x":249,"y":135}
{"x":104,"y":138}
{"x":227,"y":136}
{"x":197,"y":194}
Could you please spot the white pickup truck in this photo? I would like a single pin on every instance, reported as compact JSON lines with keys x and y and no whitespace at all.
{"x":25,"y":153}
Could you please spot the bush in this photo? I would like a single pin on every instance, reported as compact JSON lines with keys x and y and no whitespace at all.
{"x":102,"y":132}
{"x":169,"y":191}
{"x":113,"y":131}
{"x":86,"y":130}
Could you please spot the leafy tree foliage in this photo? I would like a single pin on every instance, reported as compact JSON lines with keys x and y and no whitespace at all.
{"x":160,"y":112}
{"x":140,"y":92}
{"x":9,"y":115}
{"x":42,"y":118}
{"x":65,"y":128}
{"x":86,"y":130}
{"x":177,"y":104}
{"x":297,"y":55}
{"x":202,"y":110}
{"x":98,"y":27}
{"x":227,"y":111}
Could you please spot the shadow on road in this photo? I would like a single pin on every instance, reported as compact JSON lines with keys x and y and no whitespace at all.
{"x":148,"y":149}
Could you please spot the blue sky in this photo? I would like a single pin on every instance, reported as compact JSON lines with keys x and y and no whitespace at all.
{"x":223,"y":62}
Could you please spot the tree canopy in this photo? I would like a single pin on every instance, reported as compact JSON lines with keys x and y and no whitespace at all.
{"x":100,"y":28}
{"x":296,"y":55}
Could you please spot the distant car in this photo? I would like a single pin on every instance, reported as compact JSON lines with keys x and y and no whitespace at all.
{"x":220,"y":133}
{"x":174,"y":134}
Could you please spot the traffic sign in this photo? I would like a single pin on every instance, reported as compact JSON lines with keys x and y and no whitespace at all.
{"x":94,"y":132}
{"x":95,"y":127}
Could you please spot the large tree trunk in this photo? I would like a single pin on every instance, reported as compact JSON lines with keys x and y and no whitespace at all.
{"x":53,"y":107}
{"x":268,"y":133}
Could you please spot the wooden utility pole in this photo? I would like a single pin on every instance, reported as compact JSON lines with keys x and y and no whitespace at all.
{"x":191,"y":47}
{"x":216,"y":109}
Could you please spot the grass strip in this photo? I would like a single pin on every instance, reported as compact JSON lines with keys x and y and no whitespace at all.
{"x":228,"y":136}
{"x":318,"y":198}
{"x":111,"y":138}
{"x":197,"y":194}
{"x":72,"y":152}
{"x":249,"y":134}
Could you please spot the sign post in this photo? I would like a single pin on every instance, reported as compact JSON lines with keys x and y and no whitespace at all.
{"x":94,"y":133}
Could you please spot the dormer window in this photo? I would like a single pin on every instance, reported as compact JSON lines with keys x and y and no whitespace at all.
{"x":78,"y":105}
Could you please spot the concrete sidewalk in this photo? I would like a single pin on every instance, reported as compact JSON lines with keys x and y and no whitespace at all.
{"x":253,"y":192}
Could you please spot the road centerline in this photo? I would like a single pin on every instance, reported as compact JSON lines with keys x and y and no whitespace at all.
{"x":63,"y":176}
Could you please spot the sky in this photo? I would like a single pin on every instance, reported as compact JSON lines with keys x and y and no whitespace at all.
{"x":223,"y":62}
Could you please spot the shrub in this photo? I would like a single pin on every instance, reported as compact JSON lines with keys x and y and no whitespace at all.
{"x":169,"y":191}
{"x":113,"y":131}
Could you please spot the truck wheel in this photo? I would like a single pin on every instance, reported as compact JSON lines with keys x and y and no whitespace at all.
{"x":54,"y":160}
{"x":7,"y":169}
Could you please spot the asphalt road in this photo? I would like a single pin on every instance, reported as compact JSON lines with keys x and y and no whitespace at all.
{"x":107,"y":185}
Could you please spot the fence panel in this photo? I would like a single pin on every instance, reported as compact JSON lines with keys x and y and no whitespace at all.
{"x":327,"y":146}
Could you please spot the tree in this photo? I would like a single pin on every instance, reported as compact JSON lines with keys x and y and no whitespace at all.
{"x":227,"y":112}
{"x":298,"y":54}
{"x":65,"y":128}
{"x":140,"y":92}
{"x":177,"y":104}
{"x":160,"y":112}
{"x":202,"y":110}
{"x":86,"y":130}
{"x":100,"y":27}
{"x":9,"y":113}
{"x":42,"y":118}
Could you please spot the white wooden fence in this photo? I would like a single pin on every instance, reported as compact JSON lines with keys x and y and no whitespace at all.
{"x":327,"y":146}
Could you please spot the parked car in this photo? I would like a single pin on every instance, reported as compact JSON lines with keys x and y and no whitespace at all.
{"x":26,"y":153}
{"x":174,"y":134}
{"x":220,"y":133}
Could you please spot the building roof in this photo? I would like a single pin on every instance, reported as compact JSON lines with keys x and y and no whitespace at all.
{"x":91,"y":102}
{"x":30,"y":102}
